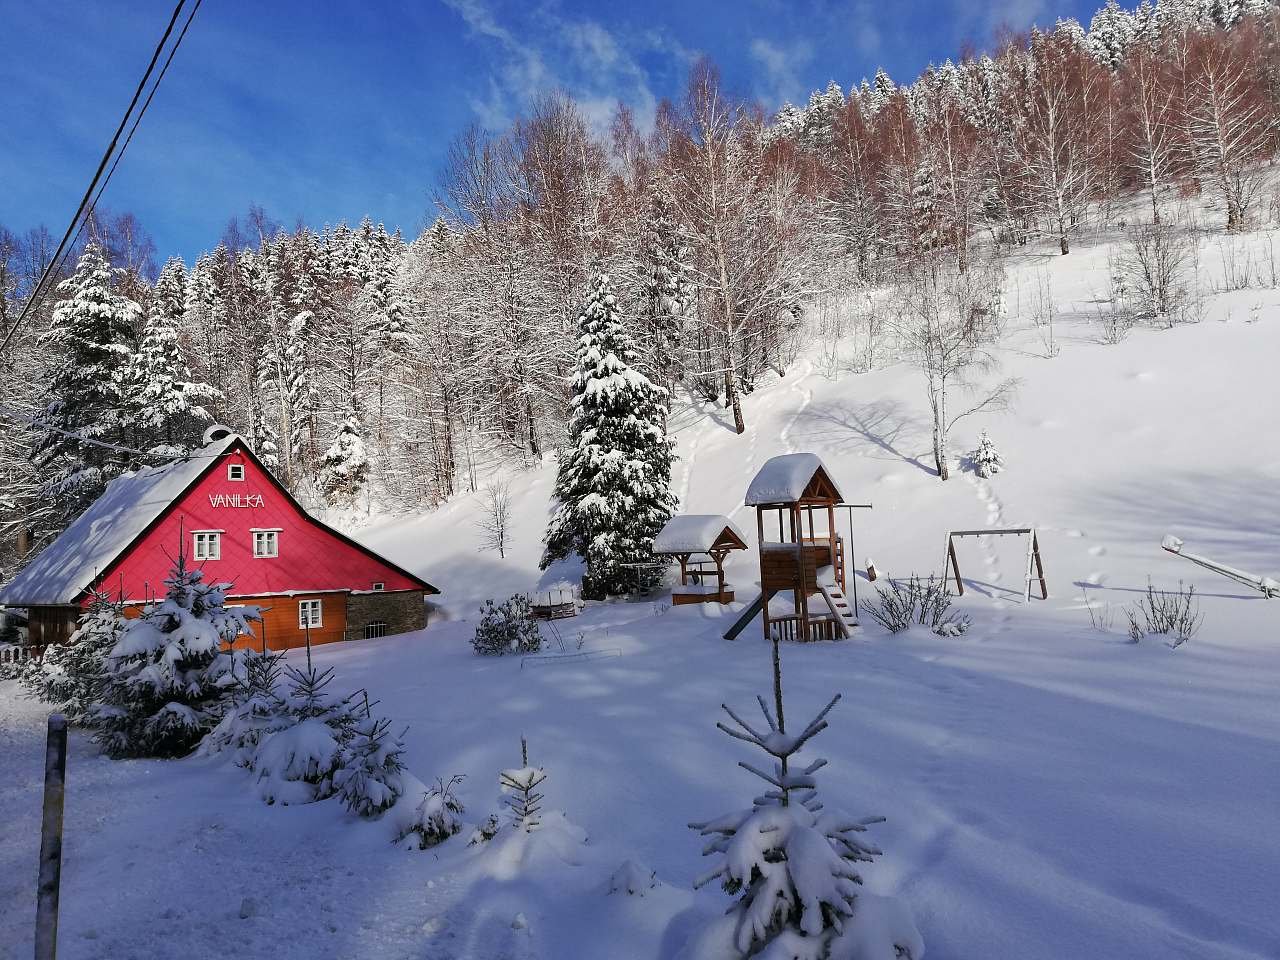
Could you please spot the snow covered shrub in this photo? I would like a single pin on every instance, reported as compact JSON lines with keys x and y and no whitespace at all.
{"x":70,"y":675}
{"x":986,"y":458}
{"x":370,"y":779}
{"x":257,"y":710}
{"x":298,"y":764}
{"x":1172,"y":613}
{"x":507,"y":627}
{"x":632,"y":879}
{"x":485,"y":831}
{"x":519,"y":789}
{"x":437,"y":817}
{"x":792,"y":863}
{"x":906,"y":603}
{"x":166,"y":680}
{"x":1151,"y":269}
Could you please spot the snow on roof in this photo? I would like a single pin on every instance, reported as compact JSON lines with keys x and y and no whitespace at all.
{"x":783,"y":478}
{"x":66,"y":568}
{"x":693,"y":533}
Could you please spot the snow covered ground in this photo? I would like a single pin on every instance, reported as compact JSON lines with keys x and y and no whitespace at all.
{"x":1052,"y":791}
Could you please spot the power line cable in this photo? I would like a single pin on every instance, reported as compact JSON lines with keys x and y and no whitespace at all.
{"x":132,"y":130}
{"x":38,"y":293}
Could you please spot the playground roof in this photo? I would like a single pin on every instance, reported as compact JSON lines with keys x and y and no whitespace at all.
{"x":785,"y":478}
{"x":697,"y":533}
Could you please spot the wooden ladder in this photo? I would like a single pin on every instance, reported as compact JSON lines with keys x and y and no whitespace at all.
{"x":846,"y":618}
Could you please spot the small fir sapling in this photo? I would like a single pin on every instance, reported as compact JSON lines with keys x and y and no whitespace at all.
{"x":370,"y":780}
{"x":792,"y":863}
{"x":437,"y":817}
{"x":257,"y":711}
{"x":986,"y":458}
{"x":69,"y":675}
{"x":298,"y":764}
{"x":508,"y":627}
{"x":520,"y":792}
{"x":166,"y":681}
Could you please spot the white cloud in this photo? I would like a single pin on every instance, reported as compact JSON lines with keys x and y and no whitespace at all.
{"x":578,"y":55}
{"x":780,"y":80}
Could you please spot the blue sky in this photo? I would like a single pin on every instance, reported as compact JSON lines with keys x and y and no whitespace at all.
{"x":337,"y":110}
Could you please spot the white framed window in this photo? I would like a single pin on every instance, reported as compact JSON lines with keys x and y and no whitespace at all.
{"x":206,"y":544}
{"x":235,"y":471}
{"x":379,"y":585}
{"x":375,"y":629}
{"x":266,"y":543}
{"x":309,"y":614}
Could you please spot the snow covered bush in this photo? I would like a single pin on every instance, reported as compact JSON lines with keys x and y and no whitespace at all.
{"x":792,"y":863}
{"x":613,"y":484}
{"x":69,"y":676}
{"x":986,"y":458}
{"x":905,"y":603}
{"x":436,"y":817}
{"x":257,"y":710}
{"x":166,"y":681}
{"x":1172,"y":613}
{"x":298,"y":763}
{"x":507,"y":627}
{"x":370,"y":779}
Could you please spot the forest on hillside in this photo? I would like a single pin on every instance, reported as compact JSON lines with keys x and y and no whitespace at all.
{"x":370,"y":368}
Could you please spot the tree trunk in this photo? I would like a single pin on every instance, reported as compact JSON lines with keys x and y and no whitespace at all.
{"x":734,"y":400}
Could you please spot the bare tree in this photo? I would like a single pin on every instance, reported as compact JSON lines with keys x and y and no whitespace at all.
{"x":948,"y":320}
{"x":1229,"y":117}
{"x":495,"y":521}
{"x":1154,"y":142}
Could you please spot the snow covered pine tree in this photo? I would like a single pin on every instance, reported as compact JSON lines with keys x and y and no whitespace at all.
{"x":85,"y":397}
{"x":613,"y":484}
{"x":70,"y":675}
{"x":793,"y":862}
{"x":986,"y":459}
{"x":167,"y":680}
{"x":345,"y":469}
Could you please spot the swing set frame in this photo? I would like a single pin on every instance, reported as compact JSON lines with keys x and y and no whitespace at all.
{"x":1035,"y":567}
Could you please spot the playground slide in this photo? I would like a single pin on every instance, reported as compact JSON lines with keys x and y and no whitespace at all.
{"x":749,"y":614}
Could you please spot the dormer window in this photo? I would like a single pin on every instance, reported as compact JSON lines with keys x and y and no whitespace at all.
{"x":235,"y":471}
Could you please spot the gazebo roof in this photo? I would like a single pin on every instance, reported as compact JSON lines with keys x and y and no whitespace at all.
{"x":698,"y":533}
{"x":790,"y":478}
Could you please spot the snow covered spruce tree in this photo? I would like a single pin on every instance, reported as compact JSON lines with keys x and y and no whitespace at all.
{"x":257,"y":710}
{"x":299,"y":763}
{"x":168,"y":414}
{"x":345,"y":469}
{"x":167,"y":679}
{"x":986,"y":458}
{"x":614,"y":478}
{"x":89,"y":346}
{"x":792,"y":863}
{"x":70,"y":675}
{"x":371,"y":777}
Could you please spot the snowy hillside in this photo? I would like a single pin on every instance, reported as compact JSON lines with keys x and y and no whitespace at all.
{"x":1052,"y":791}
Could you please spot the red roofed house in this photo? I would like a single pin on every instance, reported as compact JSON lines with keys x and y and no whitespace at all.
{"x":236,"y":521}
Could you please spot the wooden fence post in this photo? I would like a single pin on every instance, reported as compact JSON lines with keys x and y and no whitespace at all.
{"x":55,"y":773}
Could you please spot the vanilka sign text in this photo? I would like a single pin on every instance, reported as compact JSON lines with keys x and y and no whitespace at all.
{"x":235,"y":499}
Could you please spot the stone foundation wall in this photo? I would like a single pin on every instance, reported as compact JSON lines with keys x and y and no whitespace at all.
{"x":403,"y":611}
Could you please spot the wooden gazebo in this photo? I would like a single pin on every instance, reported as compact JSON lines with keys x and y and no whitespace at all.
{"x":700,"y":542}
{"x":807,"y":556}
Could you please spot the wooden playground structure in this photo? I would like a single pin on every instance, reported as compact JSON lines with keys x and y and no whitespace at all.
{"x":795,"y":495}
{"x":700,"y":542}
